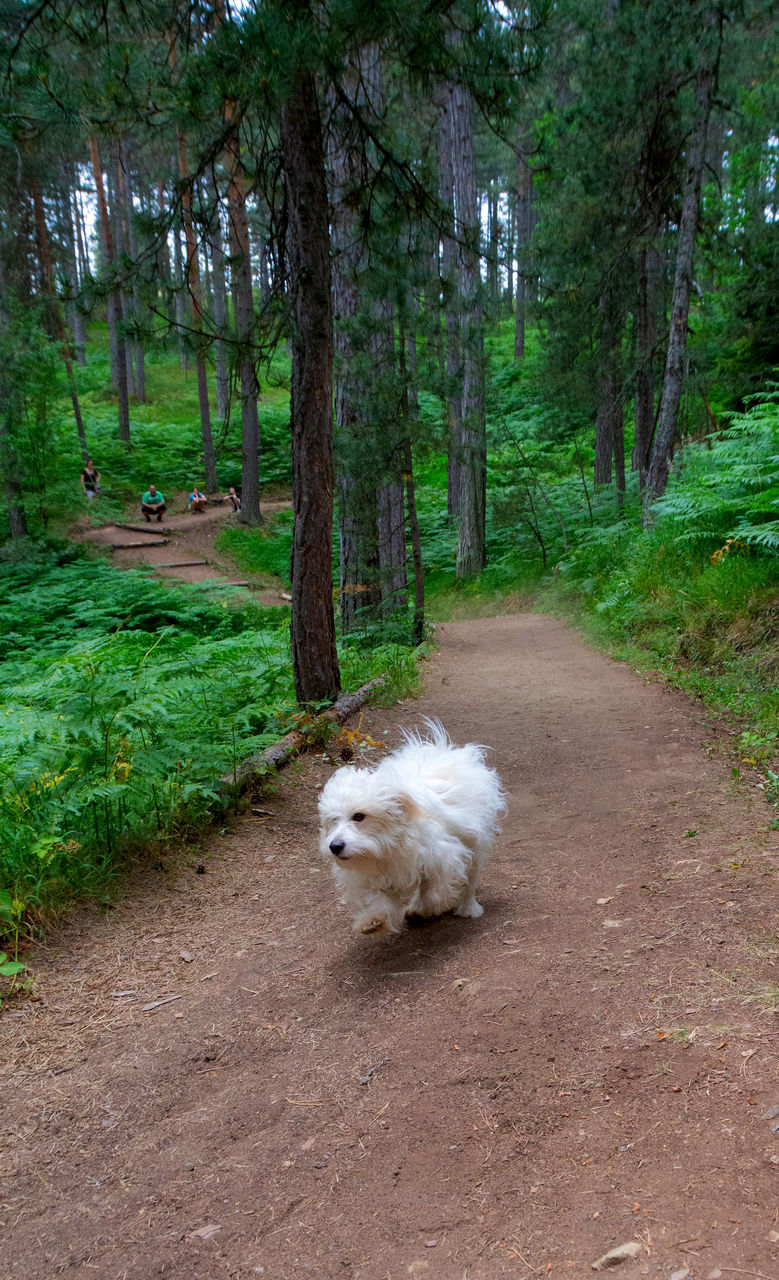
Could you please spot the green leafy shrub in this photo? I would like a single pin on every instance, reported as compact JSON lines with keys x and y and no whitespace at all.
{"x":125,"y":699}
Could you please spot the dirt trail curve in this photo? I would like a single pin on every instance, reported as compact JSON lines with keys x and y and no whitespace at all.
{"x":590,"y":1063}
{"x":180,"y":547}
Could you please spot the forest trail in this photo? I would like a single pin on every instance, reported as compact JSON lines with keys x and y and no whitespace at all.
{"x":590,"y":1063}
{"x":181,"y":547}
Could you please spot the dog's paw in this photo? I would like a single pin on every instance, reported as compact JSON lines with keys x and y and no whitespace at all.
{"x":374,"y":925}
{"x":470,"y":910}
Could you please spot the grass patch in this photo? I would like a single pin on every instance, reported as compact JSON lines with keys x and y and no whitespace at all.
{"x":265,"y":551}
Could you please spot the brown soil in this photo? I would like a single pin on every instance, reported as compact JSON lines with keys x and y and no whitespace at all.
{"x":186,"y":536}
{"x":590,"y":1063}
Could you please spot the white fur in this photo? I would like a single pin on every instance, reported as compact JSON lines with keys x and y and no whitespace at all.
{"x":430,"y":817}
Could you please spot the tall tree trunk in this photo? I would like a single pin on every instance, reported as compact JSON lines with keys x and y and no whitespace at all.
{"x":662,"y":448}
{"x":78,"y":220}
{"x":359,"y":588}
{"x":314,"y":657}
{"x":117,"y":206}
{"x":14,"y":498}
{"x":472,"y":443}
{"x":511,"y":236}
{"x":243,"y":295}
{"x":163,"y":255}
{"x":193,"y":278}
{"x":649,"y":268}
{"x":69,"y":219}
{"x":114,"y":308}
{"x":221,"y":317}
{"x":409,"y":411}
{"x":371,"y":515}
{"x":524,"y":223}
{"x":609,"y":430}
{"x":451,"y":288}
{"x":180,"y":304}
{"x":494,"y":250}
{"x":47,"y":273}
{"x":128,"y":204}
{"x":392,"y":539}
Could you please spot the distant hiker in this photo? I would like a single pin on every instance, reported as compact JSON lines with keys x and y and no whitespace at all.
{"x":90,"y":480}
{"x":197,"y":500}
{"x":152,"y":503}
{"x":233,"y":499}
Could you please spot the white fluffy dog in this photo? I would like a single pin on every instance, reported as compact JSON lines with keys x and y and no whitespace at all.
{"x":410,"y":837}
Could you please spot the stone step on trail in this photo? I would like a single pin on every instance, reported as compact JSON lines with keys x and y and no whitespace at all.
{"x":179,"y":564}
{"x":162,"y":532}
{"x":138,"y":541}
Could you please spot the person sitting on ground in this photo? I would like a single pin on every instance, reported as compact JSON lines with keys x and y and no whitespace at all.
{"x":197,"y":500}
{"x":90,"y":480}
{"x":152,"y":503}
{"x":233,"y":499}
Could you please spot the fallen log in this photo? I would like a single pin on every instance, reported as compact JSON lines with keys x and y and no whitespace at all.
{"x":139,"y":542}
{"x":180,"y":564}
{"x":145,"y":528}
{"x":251,"y":772}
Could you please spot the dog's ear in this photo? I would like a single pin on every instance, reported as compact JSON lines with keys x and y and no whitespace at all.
{"x":408,"y":805}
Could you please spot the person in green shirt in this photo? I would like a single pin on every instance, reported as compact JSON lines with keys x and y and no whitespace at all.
{"x":152,"y":503}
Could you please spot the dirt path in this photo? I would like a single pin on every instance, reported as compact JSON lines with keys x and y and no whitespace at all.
{"x":590,"y":1063}
{"x":182,"y":547}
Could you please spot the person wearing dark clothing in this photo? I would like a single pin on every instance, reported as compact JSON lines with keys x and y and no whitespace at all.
{"x":90,"y":480}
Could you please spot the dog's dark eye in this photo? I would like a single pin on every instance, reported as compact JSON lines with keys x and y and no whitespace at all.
{"x":357,"y":817}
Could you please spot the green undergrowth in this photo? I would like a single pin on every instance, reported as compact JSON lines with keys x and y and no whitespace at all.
{"x":265,"y":551}
{"x":124,"y":701}
{"x":165,"y":447}
{"x":709,"y":627}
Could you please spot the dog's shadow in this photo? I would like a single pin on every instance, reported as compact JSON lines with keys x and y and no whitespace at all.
{"x":374,"y":966}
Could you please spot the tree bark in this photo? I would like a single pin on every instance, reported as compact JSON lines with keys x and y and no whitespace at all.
{"x":163,"y":255}
{"x":114,"y":306}
{"x":494,"y":250}
{"x":357,"y":528}
{"x":243,"y":296}
{"x":14,"y":498}
{"x":609,"y":430}
{"x":126,"y":188}
{"x":221,"y":317}
{"x":180,"y":303}
{"x":314,"y":657}
{"x":47,"y":272}
{"x":649,"y":269}
{"x":450,"y":285}
{"x":471,"y":442}
{"x":662,"y":449}
{"x":193,"y":278}
{"x":409,"y":411}
{"x":117,"y":208}
{"x":69,"y":219}
{"x":524,"y":224}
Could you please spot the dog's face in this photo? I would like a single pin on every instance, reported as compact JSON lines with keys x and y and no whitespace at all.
{"x":361,"y":820}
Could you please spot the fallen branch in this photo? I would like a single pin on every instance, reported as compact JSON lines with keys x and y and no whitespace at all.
{"x":251,"y":771}
{"x":181,"y":564}
{"x":152,"y":541}
{"x":143,"y":528}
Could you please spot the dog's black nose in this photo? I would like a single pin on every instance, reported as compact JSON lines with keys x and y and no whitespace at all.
{"x":337,"y":847}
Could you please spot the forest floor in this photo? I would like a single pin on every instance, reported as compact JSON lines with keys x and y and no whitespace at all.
{"x":181,"y":546}
{"x":217,"y":1078}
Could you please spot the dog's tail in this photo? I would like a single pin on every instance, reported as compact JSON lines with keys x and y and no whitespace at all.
{"x":436,"y":734}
